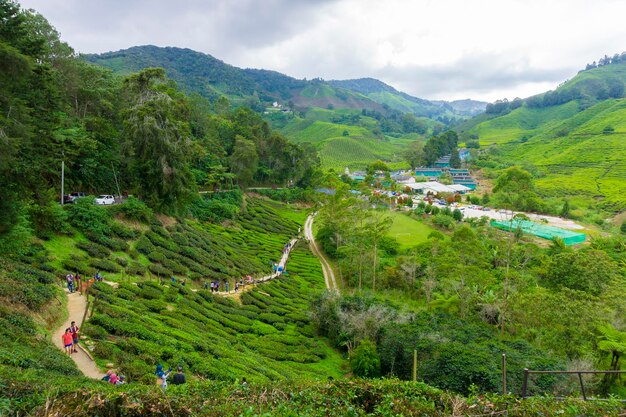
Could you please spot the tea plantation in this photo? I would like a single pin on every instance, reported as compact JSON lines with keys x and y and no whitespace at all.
{"x":145,"y":318}
{"x":266,"y":337}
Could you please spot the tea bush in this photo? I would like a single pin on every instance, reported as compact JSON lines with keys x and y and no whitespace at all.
{"x":105,"y":265}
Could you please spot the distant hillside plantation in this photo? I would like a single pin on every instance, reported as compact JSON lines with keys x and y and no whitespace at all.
{"x":575,"y":136}
{"x":386,"y":94}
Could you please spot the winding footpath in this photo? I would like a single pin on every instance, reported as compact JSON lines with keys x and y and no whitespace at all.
{"x":76,"y":305}
{"x":279,"y":271}
{"x":329,"y":275}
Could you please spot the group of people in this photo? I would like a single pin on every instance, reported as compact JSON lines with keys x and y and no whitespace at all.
{"x":177,"y":379}
{"x":73,"y":281}
{"x":214,"y":286}
{"x":112,"y":378}
{"x":70,"y":339}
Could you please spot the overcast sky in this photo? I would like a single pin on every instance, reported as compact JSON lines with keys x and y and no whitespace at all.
{"x":440,"y":49}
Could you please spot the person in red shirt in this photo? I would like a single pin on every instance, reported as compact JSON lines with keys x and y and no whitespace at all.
{"x":67,"y":341}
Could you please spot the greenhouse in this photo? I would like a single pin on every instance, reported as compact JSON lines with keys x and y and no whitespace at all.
{"x":541,"y":230}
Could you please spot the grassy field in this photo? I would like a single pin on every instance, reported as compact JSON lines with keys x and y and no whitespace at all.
{"x":408,"y":231}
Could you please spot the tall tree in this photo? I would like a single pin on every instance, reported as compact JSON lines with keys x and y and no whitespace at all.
{"x":455,"y":160}
{"x":414,"y":155}
{"x":157,"y":143}
{"x":244,"y":160}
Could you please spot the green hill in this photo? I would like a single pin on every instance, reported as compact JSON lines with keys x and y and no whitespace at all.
{"x":573,"y":138}
{"x":210,"y":77}
{"x":348,"y":139}
{"x":389,"y":96}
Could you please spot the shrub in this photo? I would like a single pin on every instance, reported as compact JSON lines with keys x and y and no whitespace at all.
{"x":90,"y":217}
{"x":105,"y":265}
{"x":365,"y":361}
{"x":94,"y":249}
{"x":443,"y":221}
{"x":135,"y":268}
{"x":156,"y":256}
{"x":74,"y":265}
{"x":150,"y":293}
{"x":218,"y":206}
{"x":123,"y":232}
{"x":144,"y":245}
{"x":155,"y":306}
{"x":135,"y":209}
{"x":121,"y":261}
{"x":48,"y":218}
{"x":160,"y":270}
{"x":27,"y":286}
{"x":174,"y":266}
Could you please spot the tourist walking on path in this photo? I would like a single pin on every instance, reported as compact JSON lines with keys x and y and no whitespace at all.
{"x":67,"y":341}
{"x":179,"y":377}
{"x":70,"y":282}
{"x":227,"y":289}
{"x":74,"y":331}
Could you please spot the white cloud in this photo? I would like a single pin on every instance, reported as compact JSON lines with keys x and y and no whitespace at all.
{"x":446,"y":49}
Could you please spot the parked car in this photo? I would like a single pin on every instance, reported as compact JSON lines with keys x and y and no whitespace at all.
{"x":76,"y":195}
{"x":105,"y":199}
{"x":67,"y":199}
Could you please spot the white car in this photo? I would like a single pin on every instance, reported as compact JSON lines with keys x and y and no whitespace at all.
{"x":105,"y":199}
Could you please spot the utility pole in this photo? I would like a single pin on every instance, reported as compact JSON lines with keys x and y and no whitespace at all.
{"x":119,"y":193}
{"x":62,"y":182}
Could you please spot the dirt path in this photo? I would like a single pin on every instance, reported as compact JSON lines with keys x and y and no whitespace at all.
{"x":329,"y":275}
{"x":281,"y":267}
{"x":76,"y":304}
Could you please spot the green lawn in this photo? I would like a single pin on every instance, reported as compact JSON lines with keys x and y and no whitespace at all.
{"x":408,"y":231}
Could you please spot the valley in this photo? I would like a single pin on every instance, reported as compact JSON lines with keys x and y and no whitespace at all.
{"x":290,"y":246}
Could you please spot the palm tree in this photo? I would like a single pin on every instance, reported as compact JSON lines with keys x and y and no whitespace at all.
{"x":612,"y":341}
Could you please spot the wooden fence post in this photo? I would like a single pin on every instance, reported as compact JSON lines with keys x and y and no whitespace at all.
{"x":85,"y":314}
{"x":525,"y":383}
{"x":414,"y":365}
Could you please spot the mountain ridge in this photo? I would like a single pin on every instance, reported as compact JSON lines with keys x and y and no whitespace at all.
{"x":210,"y":77}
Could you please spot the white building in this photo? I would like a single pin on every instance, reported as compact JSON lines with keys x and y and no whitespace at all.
{"x":436,"y":188}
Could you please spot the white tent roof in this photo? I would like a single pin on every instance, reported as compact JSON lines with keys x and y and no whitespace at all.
{"x":459,"y":187}
{"x":437,"y":187}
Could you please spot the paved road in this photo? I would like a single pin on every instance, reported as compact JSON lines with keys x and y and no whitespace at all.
{"x":329,"y":275}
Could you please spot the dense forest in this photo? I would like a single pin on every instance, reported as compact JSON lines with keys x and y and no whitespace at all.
{"x":136,"y":134}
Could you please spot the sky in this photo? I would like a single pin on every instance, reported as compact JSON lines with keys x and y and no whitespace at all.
{"x":439,"y":49}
